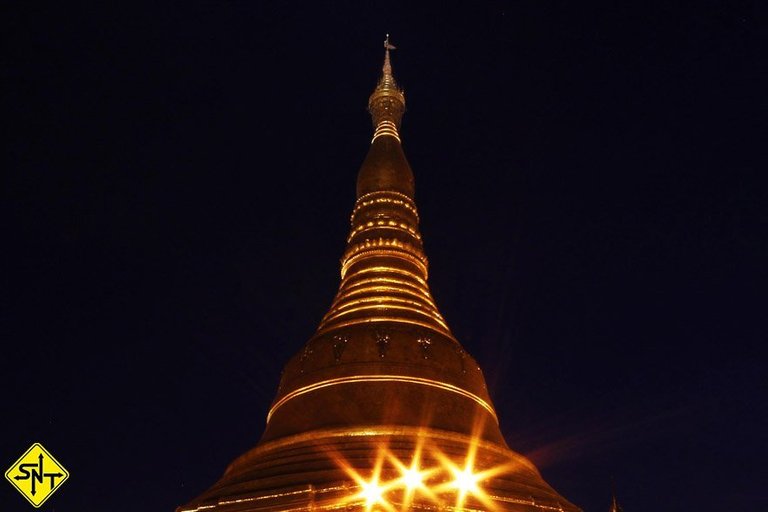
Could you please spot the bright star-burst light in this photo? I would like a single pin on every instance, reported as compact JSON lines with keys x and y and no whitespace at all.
{"x":412,"y":478}
{"x":372,"y":492}
{"x":467,"y":478}
{"x":465,"y":481}
{"x":393,"y":485}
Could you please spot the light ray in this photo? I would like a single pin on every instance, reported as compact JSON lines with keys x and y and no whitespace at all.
{"x":414,"y":477}
{"x":373,"y":490}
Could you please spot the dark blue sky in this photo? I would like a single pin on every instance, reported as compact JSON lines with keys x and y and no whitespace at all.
{"x":591,"y":181}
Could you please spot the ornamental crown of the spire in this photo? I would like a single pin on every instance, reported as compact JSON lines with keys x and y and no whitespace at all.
{"x":387,"y":102}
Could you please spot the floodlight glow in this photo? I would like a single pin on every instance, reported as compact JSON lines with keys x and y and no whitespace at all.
{"x":412,"y":478}
{"x":465,"y":481}
{"x":372,"y":492}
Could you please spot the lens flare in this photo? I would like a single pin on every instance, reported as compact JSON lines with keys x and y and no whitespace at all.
{"x":467,"y":476}
{"x":399,"y":480}
{"x":465,"y":481}
{"x":372,"y":492}
{"x":412,"y":478}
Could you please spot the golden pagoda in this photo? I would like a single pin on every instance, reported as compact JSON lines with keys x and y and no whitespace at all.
{"x":382,"y":409}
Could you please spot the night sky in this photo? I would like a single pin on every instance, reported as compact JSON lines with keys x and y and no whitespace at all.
{"x":176,"y":189}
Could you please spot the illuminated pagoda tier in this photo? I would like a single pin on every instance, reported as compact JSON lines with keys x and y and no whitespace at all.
{"x":382,"y":409}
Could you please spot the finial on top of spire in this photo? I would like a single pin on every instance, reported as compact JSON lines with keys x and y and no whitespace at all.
{"x":615,"y":507}
{"x":388,"y":45}
{"x":387,"y":69}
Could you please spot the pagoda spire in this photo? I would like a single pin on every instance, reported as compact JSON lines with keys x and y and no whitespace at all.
{"x":384,"y":268}
{"x":383,"y":325}
{"x":615,"y":507}
{"x":387,"y":103}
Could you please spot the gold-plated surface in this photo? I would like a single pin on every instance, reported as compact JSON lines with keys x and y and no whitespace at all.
{"x":387,"y":103}
{"x":382,"y":409}
{"x":404,"y":379}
